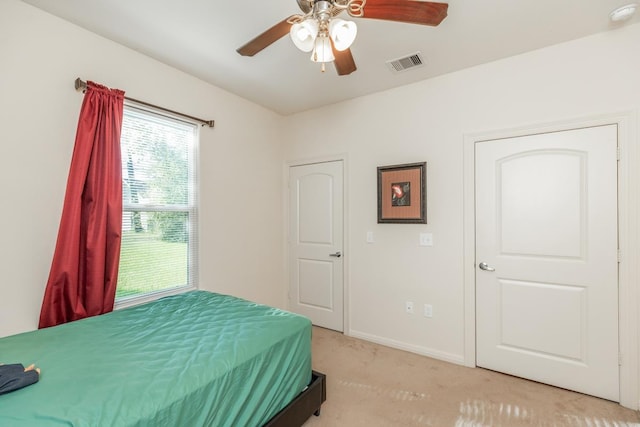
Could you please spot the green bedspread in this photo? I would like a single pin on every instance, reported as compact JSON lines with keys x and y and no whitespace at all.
{"x":195,"y":359}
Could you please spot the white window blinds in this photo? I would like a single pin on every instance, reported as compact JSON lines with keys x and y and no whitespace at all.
{"x":159,"y":223}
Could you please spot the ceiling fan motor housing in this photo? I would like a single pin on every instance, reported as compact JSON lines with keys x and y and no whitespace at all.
{"x":334,"y":7}
{"x":305,"y":5}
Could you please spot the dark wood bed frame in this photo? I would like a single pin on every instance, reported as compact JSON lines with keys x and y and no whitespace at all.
{"x":304,"y":405}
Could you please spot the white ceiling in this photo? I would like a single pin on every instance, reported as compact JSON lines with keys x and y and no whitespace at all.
{"x":200,"y":37}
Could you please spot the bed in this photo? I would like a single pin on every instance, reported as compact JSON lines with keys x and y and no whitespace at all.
{"x":194,"y":359}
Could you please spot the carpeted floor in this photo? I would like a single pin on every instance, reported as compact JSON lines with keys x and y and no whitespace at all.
{"x":372,"y":385}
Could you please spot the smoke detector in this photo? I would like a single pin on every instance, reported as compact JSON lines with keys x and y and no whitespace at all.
{"x":623,"y":12}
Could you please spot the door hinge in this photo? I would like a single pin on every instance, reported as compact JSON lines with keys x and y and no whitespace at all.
{"x":618,"y":153}
{"x":619,"y":256}
{"x":619,"y":359}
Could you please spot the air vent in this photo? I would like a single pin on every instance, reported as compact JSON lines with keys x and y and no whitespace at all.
{"x":405,"y":63}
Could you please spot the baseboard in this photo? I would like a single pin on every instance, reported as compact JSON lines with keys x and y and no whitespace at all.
{"x":423,"y":351}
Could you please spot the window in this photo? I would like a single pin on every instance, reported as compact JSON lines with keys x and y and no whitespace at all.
{"x":159,"y":219}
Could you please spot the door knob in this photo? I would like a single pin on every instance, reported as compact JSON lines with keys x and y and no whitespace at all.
{"x":337,"y":254}
{"x":484,"y":266}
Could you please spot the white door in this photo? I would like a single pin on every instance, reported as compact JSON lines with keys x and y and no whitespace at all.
{"x":316,"y":243}
{"x":547,"y":258}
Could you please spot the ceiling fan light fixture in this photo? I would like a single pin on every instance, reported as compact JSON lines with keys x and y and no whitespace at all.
{"x":314,"y":30}
{"x":343,"y":33}
{"x":322,"y":51}
{"x":304,"y":34}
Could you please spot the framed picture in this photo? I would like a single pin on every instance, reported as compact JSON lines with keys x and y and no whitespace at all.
{"x":402,"y":194}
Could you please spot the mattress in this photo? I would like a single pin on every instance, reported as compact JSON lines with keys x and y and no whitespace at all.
{"x":195,"y":359}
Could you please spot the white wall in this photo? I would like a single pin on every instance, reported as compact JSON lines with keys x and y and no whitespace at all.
{"x":427,"y":121}
{"x":40,"y":56}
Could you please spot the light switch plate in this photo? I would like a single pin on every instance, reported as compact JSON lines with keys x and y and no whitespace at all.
{"x":426,"y":239}
{"x":370,"y":237}
{"x":428,"y":310}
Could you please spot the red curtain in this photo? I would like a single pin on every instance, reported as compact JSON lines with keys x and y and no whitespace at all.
{"x":84,"y":271}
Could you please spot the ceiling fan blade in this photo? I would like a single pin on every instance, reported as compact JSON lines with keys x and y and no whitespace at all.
{"x":344,"y":62}
{"x":411,"y":11}
{"x":265,"y":39}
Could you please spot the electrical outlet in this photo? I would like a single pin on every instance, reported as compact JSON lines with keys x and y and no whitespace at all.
{"x":408,"y":306}
{"x":428,"y":310}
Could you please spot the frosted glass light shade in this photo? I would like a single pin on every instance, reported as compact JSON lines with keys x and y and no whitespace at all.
{"x":322,"y":51}
{"x":304,"y":34}
{"x":343,"y":33}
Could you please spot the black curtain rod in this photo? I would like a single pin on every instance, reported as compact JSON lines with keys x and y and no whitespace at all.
{"x":82,"y":85}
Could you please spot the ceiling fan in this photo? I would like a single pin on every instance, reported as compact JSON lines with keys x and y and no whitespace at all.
{"x":318,"y":30}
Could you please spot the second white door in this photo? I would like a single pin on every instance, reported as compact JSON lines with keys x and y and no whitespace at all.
{"x":316,"y":243}
{"x":546,"y":258}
